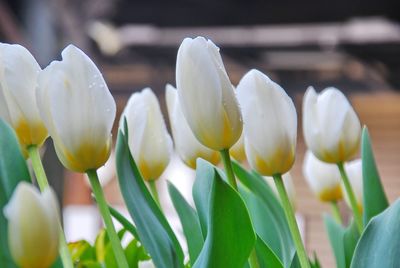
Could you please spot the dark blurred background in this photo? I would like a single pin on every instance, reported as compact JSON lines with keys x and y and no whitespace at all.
{"x":352,"y":45}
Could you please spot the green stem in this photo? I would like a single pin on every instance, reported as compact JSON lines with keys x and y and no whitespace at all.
{"x":336,"y":212}
{"x":352,"y":198}
{"x":154,"y":192}
{"x":253,"y":261}
{"x":105,"y":213}
{"x":291,"y":219}
{"x":226,"y":158}
{"x":38,"y":168}
{"x":43,"y":183}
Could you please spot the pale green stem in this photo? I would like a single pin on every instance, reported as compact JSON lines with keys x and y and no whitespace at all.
{"x":105,"y":213}
{"x":154,"y":192}
{"x":43,"y":183}
{"x":352,"y":198}
{"x":336,"y":212}
{"x":226,"y":158}
{"x":291,"y":219}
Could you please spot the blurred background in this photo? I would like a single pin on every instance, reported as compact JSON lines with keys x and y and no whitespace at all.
{"x":352,"y":45}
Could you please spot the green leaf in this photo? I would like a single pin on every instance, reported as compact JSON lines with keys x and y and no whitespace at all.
{"x":379,"y":245}
{"x":230,"y":234}
{"x":124,"y":222}
{"x":201,"y":191}
{"x":190,"y":222}
{"x":315,"y":263}
{"x":266,"y":257}
{"x":135,"y":253}
{"x":267,"y":214}
{"x":81,"y":251}
{"x":100,"y":245}
{"x":374,"y":197}
{"x":336,"y":235}
{"x":152,"y":226}
{"x":350,"y":239}
{"x":13,"y":170}
{"x":109,"y":258}
{"x":89,"y":264}
{"x":343,"y":240}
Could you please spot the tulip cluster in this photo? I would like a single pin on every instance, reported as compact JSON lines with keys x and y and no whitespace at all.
{"x":210,"y":119}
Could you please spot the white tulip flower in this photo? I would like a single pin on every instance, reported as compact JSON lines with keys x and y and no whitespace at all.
{"x":148,"y":138}
{"x":77,"y":109}
{"x":270,"y":124}
{"x":331,"y":127}
{"x":324,"y":179}
{"x":186,"y":144}
{"x":33,"y":226}
{"x":18,"y":84}
{"x":354,"y":173}
{"x":206,"y":94}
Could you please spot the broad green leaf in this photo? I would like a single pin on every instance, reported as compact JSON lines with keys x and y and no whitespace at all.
{"x":343,"y":240}
{"x":124,"y":222}
{"x":152,"y":226}
{"x":230,"y":235}
{"x":267,"y":214}
{"x":266,"y":257}
{"x":13,"y":170}
{"x":336,"y":235}
{"x":374,"y":197}
{"x":201,"y":191}
{"x":350,"y":239}
{"x":190,"y":222}
{"x":379,"y":245}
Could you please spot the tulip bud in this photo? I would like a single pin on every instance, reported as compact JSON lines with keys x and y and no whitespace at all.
{"x":206,"y":95}
{"x":18,"y":83}
{"x":354,"y":173}
{"x":324,"y":179}
{"x":149,"y":141}
{"x":77,"y":109}
{"x":186,"y":144}
{"x":331,"y":128}
{"x":289,"y":186}
{"x":33,"y":226}
{"x":237,"y":151}
{"x":270,"y":124}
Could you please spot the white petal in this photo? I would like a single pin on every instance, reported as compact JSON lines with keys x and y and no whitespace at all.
{"x":18,"y":76}
{"x":76,"y":105}
{"x":270,"y":119}
{"x":186,"y":144}
{"x":149,"y":141}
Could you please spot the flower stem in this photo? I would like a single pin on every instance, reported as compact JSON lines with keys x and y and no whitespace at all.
{"x":352,"y":198}
{"x":105,"y":213}
{"x":43,"y":183}
{"x":336,"y":212}
{"x":154,"y":192}
{"x":226,"y":158}
{"x":291,"y":219}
